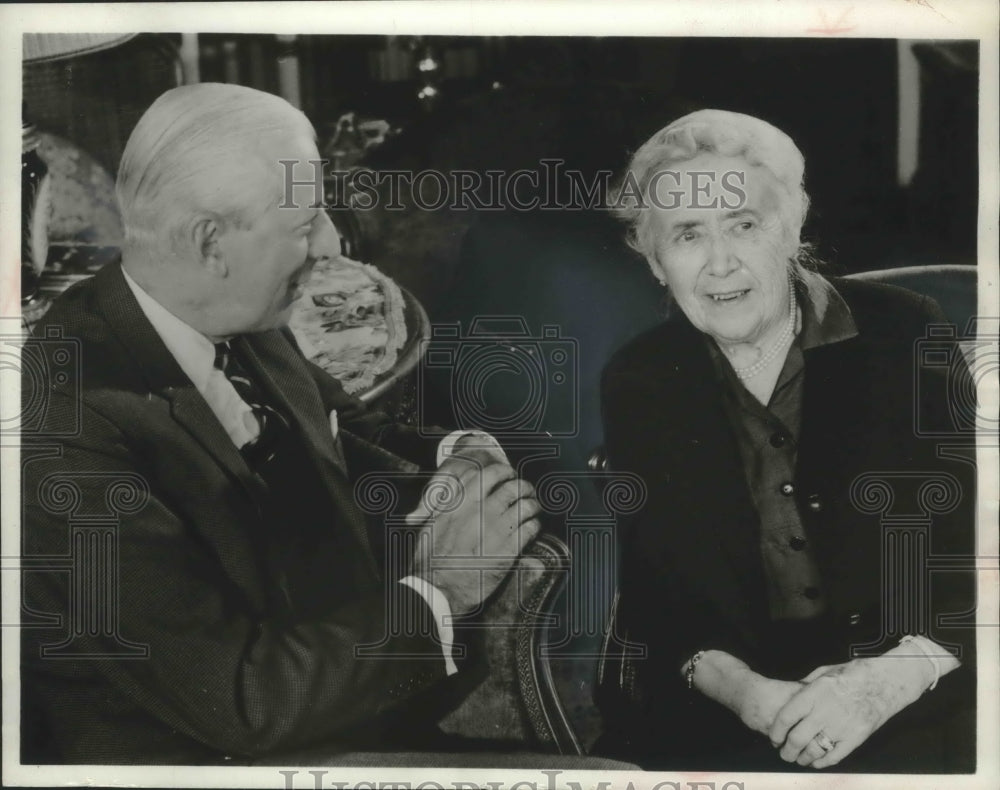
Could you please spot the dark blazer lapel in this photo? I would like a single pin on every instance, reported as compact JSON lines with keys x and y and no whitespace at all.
{"x":836,"y":433}
{"x":164,"y":376}
{"x":686,"y":385}
{"x":826,"y":401}
{"x":189,"y":411}
{"x":724,"y":502}
{"x":836,"y":397}
{"x":273,"y":360}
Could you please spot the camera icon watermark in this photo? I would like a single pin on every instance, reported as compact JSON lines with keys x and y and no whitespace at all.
{"x":504,"y":380}
{"x":45,"y":365}
{"x":957,"y":368}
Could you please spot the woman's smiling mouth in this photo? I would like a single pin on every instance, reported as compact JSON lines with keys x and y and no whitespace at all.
{"x":729,"y":296}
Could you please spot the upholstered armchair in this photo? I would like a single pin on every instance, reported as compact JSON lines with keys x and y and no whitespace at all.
{"x":517,"y":701}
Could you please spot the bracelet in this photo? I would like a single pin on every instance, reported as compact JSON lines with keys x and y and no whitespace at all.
{"x":689,"y":674}
{"x":930,"y":657}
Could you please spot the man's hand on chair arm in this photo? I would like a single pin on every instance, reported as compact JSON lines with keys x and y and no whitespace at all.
{"x":477,"y":517}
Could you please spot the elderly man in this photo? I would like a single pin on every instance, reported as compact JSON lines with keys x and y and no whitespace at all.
{"x":252,"y":615}
{"x":784,"y":424}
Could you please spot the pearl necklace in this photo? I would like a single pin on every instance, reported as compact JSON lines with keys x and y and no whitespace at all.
{"x":779,"y":345}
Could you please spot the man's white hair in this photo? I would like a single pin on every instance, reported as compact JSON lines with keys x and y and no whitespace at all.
{"x":199,"y":149}
{"x":723,"y":133}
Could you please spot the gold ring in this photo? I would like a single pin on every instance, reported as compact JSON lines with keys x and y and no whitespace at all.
{"x":824,"y":742}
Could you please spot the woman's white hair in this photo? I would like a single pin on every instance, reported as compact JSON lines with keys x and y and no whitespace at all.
{"x":719,"y":132}
{"x":200,"y":149}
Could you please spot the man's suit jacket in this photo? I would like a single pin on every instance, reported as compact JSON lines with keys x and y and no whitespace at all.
{"x":221,"y":678}
{"x":691,"y":574}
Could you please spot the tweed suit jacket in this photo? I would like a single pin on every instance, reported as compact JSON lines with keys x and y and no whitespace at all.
{"x":691,"y":573}
{"x":195,"y":668}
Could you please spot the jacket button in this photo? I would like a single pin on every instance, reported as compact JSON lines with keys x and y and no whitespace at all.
{"x":787,"y":489}
{"x":814,"y":503}
{"x":854,"y":619}
{"x":812,"y":593}
{"x":778,"y":439}
{"x":797,"y":542}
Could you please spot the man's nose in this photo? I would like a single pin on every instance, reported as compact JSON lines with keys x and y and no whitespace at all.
{"x":324,"y":241}
{"x":721,"y":260}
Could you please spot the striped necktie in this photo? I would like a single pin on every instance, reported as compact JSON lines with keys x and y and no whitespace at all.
{"x":273,"y":425}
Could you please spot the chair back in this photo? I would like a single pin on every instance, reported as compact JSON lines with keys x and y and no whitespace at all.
{"x":954,"y":288}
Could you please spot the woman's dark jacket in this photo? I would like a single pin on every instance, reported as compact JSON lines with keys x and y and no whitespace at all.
{"x":885,"y":483}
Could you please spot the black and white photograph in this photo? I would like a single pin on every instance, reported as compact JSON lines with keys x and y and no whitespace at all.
{"x":500,"y":394}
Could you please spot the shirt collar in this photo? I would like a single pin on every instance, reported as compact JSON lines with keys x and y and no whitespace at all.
{"x":826,"y":318}
{"x":195,"y":353}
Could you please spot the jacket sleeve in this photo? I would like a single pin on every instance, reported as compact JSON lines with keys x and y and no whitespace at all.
{"x":216,"y":667}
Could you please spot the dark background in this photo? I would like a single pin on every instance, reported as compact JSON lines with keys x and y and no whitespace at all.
{"x":509,"y":102}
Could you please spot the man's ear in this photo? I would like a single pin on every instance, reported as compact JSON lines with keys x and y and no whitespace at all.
{"x":205,"y":236}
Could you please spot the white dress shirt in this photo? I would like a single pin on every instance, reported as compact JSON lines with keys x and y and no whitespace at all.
{"x":195,"y":354}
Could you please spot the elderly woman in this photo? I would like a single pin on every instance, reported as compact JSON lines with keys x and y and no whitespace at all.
{"x":762,"y":416}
